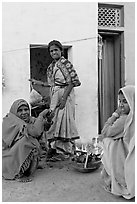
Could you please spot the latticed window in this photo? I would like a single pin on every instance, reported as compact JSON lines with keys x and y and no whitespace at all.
{"x":109,"y":16}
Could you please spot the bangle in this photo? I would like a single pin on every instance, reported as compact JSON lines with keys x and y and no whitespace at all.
{"x":50,"y":123}
{"x":115,"y":114}
{"x":63,"y":99}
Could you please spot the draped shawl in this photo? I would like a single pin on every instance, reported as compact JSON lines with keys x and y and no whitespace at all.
{"x":119,"y":154}
{"x":17,"y":144}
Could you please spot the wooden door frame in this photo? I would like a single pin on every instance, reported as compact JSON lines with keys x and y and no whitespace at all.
{"x":122,"y":64}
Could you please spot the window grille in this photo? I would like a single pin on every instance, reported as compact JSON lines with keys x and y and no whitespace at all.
{"x":109,"y":17}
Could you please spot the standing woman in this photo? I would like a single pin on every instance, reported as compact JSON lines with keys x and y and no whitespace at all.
{"x":63,"y":78}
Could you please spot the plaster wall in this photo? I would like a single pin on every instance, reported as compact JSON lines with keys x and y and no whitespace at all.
{"x":73,"y":24}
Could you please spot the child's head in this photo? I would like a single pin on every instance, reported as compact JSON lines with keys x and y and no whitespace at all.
{"x":123,"y":104}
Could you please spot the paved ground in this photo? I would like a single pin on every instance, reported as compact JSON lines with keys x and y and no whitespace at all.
{"x":59,"y":182}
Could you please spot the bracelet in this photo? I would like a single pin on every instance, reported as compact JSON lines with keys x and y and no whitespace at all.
{"x":50,"y":123}
{"x":63,"y":99}
{"x":115,"y":114}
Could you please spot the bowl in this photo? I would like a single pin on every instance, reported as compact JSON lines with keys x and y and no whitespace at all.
{"x":95,"y":164}
{"x":91,"y":166}
{"x":85,"y":170}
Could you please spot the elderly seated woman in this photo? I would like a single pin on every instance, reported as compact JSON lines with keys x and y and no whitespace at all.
{"x":20,"y":135}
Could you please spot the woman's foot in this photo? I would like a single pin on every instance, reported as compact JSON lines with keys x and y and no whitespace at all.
{"x":58,"y":157}
{"x":54,"y":159}
{"x":61,"y":157}
{"x":107,"y":188}
{"x":24,"y":179}
{"x":42,"y":164}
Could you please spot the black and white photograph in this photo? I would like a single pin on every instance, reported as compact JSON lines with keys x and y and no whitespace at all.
{"x":68,"y":101}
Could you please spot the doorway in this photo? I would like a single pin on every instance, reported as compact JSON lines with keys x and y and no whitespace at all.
{"x":40,"y":59}
{"x":110,"y":75}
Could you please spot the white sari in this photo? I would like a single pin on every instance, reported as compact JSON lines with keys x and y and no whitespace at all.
{"x":119,"y":152}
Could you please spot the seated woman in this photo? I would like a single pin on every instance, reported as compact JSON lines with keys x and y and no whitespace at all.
{"x":20,"y":135}
{"x":118,"y":143}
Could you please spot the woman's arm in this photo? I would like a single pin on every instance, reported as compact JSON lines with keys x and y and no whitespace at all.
{"x":65,"y":95}
{"x":113,"y":126}
{"x":72,"y":80}
{"x":41,"y":83}
{"x":36,"y":129}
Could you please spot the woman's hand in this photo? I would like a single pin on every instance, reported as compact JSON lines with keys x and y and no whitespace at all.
{"x":65,"y":96}
{"x":118,"y":111}
{"x":37,"y":82}
{"x":44,"y":113}
{"x":50,"y":116}
{"x":62,"y":103}
{"x":100,"y":137}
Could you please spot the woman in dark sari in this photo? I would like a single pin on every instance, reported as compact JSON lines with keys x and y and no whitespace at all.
{"x":20,"y":146}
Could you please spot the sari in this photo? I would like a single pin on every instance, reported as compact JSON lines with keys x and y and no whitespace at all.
{"x":20,"y":150}
{"x":63,"y":131}
{"x":119,"y":151}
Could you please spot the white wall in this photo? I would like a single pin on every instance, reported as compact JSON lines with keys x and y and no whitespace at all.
{"x":130,"y":42}
{"x":38,"y":23}
{"x":16,"y":73}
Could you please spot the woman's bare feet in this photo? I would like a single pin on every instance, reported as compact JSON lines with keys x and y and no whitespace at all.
{"x":24,"y":179}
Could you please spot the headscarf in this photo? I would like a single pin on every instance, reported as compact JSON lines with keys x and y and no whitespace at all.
{"x":13,"y":126}
{"x":17,"y":104}
{"x":129,"y":128}
{"x":129,"y":140}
